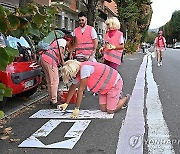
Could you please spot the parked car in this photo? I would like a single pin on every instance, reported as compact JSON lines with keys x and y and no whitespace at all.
{"x":176,"y":45}
{"x":23,"y":75}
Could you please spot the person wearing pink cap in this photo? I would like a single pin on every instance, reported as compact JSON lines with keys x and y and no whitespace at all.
{"x":160,"y":45}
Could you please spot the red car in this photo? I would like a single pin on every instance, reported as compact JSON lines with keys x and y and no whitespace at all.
{"x":23,"y":75}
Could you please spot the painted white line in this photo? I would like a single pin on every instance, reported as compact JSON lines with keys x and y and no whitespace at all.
{"x":83,"y":114}
{"x":158,"y":133}
{"x":132,"y":132}
{"x":74,"y":133}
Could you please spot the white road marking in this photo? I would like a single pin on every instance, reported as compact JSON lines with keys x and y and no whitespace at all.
{"x":158,"y":133}
{"x":74,"y":133}
{"x":132,"y":132}
{"x":83,"y":114}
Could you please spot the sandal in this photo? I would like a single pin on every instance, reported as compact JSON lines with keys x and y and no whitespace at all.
{"x":125,"y":105}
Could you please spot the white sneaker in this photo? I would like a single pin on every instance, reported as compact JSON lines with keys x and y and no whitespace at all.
{"x":158,"y":64}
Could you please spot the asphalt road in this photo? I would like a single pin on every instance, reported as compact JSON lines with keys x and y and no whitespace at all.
{"x":102,"y":135}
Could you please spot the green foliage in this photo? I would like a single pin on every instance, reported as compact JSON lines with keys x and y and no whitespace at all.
{"x":7,"y":56}
{"x":32,"y":20}
{"x":176,"y":24}
{"x":135,"y":16}
{"x":98,"y":55}
{"x":1,"y":114}
{"x":131,"y":47}
{"x":4,"y":91}
{"x":150,"y":37}
{"x":171,"y":29}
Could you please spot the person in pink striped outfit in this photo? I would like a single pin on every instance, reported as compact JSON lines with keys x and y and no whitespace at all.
{"x":160,"y":45}
{"x":50,"y":61}
{"x":114,"y":43}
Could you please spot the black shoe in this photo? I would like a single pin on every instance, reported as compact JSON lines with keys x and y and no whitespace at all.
{"x":125,"y":105}
{"x":94,"y":94}
{"x":53,"y":104}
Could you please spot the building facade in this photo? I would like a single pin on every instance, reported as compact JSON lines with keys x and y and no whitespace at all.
{"x":67,"y":18}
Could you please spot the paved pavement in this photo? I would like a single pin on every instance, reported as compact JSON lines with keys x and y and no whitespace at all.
{"x":101,"y":135}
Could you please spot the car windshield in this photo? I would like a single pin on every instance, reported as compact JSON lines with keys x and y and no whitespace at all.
{"x":13,"y":42}
{"x":177,"y":43}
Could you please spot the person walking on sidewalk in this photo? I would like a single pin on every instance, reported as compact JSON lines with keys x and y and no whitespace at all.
{"x":114,"y":43}
{"x":87,"y":39}
{"x":50,"y":61}
{"x":99,"y":78}
{"x":160,"y":45}
{"x":143,"y":47}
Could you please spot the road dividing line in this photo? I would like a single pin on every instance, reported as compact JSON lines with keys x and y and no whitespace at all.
{"x":158,"y":133}
{"x":132,"y":132}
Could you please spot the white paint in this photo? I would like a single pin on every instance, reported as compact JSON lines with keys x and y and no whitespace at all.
{"x":83,"y":114}
{"x":132,"y":132}
{"x":75,"y":132}
{"x":158,"y":132}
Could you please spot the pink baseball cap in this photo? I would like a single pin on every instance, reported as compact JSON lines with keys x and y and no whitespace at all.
{"x":160,"y":32}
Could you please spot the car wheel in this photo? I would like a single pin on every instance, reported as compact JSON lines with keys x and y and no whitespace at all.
{"x":3,"y":103}
{"x":29,"y":92}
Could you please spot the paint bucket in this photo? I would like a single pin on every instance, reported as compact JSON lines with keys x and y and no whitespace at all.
{"x":63,"y":96}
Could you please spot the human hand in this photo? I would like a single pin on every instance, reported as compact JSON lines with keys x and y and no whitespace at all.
{"x":101,"y":50}
{"x":75,"y":113}
{"x":110,"y":46}
{"x":62,"y":107}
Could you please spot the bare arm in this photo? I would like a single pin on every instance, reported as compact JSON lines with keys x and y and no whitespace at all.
{"x":80,"y":92}
{"x":119,"y":47}
{"x":60,"y":55}
{"x":95,"y":42}
{"x":70,"y":93}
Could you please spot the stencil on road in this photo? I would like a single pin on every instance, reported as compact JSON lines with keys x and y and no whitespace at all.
{"x":84,"y":114}
{"x":74,"y":133}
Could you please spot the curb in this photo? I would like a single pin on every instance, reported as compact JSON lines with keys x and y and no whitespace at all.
{"x":30,"y":102}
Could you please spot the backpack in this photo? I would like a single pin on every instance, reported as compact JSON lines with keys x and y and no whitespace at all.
{"x":42,"y":47}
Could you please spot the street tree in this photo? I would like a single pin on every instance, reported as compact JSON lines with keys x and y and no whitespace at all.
{"x":171,"y":29}
{"x":135,"y":17}
{"x":91,"y":6}
{"x":175,"y":19}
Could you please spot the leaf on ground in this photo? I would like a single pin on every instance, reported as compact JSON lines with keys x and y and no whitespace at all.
{"x":4,"y":137}
{"x":7,"y":131}
{"x":24,"y":98}
{"x":13,"y":140}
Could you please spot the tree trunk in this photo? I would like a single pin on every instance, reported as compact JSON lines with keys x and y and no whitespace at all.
{"x":91,"y":7}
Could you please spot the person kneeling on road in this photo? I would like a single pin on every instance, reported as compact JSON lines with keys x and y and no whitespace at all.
{"x":99,"y":78}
